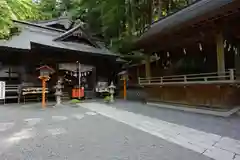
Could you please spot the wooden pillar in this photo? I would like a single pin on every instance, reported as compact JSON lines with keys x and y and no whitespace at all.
{"x":237,"y":61}
{"x":125,"y":88}
{"x":147,"y":66}
{"x":43,"y":93}
{"x":138,"y":74}
{"x":94,"y":78}
{"x":220,"y":52}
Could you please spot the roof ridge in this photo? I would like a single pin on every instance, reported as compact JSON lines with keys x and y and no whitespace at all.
{"x":189,"y":5}
{"x":51,"y":20}
{"x":69,"y":32}
{"x":37,"y":25}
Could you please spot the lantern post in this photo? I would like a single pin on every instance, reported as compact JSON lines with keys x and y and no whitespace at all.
{"x":124,"y":88}
{"x":79,"y":80}
{"x":45,"y":71}
{"x":124,"y":77}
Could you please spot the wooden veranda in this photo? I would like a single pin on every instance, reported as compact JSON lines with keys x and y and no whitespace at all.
{"x":192,"y":56}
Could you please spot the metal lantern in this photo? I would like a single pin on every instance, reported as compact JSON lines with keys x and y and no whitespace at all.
{"x":123,"y":75}
{"x":45,"y":71}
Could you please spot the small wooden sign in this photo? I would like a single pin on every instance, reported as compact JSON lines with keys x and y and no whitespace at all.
{"x":2,"y":89}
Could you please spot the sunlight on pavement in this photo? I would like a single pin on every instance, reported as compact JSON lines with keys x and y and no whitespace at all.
{"x":78,"y":116}
{"x":32,"y":121}
{"x":6,"y":126}
{"x":57,"y":131}
{"x":91,"y":113}
{"x":23,"y":134}
{"x":59,"y":118}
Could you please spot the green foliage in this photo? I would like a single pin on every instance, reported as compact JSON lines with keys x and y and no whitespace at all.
{"x":114,"y":20}
{"x":120,"y":22}
{"x":49,"y":8}
{"x":18,"y":10}
{"x":74,"y":101}
{"x":107,"y":99}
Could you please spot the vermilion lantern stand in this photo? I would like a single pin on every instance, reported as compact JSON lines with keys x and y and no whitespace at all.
{"x":124,"y":76}
{"x":45,"y":71}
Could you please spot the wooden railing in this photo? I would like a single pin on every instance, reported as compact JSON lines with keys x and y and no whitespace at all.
{"x":215,"y":77}
{"x":11,"y":92}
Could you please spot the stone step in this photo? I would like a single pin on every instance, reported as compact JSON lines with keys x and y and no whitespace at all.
{"x":65,"y":96}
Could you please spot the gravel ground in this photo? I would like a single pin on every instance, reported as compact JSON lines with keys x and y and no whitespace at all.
{"x":29,"y":133}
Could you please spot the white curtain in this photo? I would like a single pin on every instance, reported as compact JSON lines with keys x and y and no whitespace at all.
{"x":74,"y":66}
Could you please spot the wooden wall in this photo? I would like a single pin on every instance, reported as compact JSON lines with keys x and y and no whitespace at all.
{"x":212,"y":95}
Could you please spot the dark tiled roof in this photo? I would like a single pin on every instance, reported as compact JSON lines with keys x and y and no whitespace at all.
{"x":28,"y":34}
{"x":74,"y":47}
{"x":79,"y":29}
{"x":38,"y":25}
{"x":46,"y":36}
{"x":189,"y":13}
{"x":65,"y":21}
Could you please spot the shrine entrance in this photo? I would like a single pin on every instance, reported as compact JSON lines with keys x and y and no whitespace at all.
{"x":76,"y":58}
{"x":76,"y":75}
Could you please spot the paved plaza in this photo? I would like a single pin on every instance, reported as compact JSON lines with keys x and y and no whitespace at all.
{"x":120,"y":131}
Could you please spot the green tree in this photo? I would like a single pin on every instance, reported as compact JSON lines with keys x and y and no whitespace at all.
{"x":55,"y":8}
{"x":15,"y":9}
{"x":120,"y":21}
{"x":49,"y":8}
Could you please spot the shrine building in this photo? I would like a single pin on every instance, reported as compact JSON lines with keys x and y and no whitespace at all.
{"x":75,"y":54}
{"x":192,"y":56}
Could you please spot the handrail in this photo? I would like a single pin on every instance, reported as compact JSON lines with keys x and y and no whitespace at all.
{"x":226,"y":76}
{"x":217,"y":73}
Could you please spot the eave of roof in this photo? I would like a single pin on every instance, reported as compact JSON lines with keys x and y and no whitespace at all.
{"x":52,"y":21}
{"x":38,"y":25}
{"x":189,"y":13}
{"x":28,"y":34}
{"x":66,"y":22}
{"x":47,"y":36}
{"x":64,"y":34}
{"x":80,"y":48}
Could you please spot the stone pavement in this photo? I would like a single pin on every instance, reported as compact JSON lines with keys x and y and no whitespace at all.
{"x":79,"y":133}
{"x":228,"y":127}
{"x":206,"y":143}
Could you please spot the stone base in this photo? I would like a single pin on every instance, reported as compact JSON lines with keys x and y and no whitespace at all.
{"x":225,"y":113}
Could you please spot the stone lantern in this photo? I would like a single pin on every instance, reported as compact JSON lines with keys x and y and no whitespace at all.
{"x":112,"y":88}
{"x":58,"y":92}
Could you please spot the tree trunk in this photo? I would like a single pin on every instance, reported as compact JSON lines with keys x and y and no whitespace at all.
{"x":169,"y":6}
{"x":150,"y":11}
{"x":160,"y":6}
